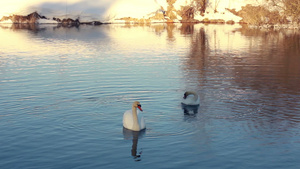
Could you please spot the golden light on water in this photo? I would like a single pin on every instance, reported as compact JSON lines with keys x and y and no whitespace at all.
{"x":220,"y":37}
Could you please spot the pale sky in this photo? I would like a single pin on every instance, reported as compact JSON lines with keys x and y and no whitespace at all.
{"x":78,"y":7}
{"x":24,"y":7}
{"x":13,"y":6}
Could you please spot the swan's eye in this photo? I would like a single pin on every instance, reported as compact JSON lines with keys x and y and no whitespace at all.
{"x":139,"y":105}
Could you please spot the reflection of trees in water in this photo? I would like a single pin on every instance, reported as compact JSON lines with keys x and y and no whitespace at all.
{"x":274,"y":72}
{"x":36,"y":28}
{"x":276,"y":60}
{"x":170,"y":29}
{"x":31,"y":27}
{"x":158,"y":29}
{"x":187,"y":28}
{"x":199,"y":49}
{"x":259,"y":83}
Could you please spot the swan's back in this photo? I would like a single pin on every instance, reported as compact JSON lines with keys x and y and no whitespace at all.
{"x":190,"y":100}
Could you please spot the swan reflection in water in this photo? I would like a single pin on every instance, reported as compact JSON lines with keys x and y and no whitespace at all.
{"x":134,"y":135}
{"x":189,"y":109}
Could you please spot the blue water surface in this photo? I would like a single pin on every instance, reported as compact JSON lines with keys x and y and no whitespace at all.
{"x":64,"y":91}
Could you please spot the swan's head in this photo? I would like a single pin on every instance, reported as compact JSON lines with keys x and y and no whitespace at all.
{"x":137,"y":105}
{"x":185,"y":95}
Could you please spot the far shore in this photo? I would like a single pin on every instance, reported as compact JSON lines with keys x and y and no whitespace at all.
{"x":36,"y":19}
{"x":295,"y":27}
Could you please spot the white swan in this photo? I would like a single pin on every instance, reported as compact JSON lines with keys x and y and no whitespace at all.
{"x":133,"y":119}
{"x":190,"y":98}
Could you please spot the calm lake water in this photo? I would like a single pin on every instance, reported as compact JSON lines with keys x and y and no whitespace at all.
{"x":64,"y":91}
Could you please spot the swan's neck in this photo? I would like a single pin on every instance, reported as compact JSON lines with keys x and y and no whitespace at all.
{"x":136,"y":125}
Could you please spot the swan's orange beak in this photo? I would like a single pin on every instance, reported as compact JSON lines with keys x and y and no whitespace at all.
{"x":140,"y":107}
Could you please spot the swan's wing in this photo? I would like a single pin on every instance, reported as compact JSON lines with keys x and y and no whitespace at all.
{"x":190,"y":101}
{"x":127,"y":119}
{"x":141,"y":119}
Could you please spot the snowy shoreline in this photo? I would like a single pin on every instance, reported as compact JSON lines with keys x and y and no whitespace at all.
{"x":250,"y":12}
{"x":71,"y":23}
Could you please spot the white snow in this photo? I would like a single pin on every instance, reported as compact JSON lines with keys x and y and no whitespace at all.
{"x":225,"y":15}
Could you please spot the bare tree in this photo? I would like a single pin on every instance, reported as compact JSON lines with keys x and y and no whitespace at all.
{"x":293,"y":10}
{"x":290,"y":8}
{"x":200,"y":5}
{"x":216,"y":5}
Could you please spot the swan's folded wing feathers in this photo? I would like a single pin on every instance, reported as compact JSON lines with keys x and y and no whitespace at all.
{"x":127,"y":119}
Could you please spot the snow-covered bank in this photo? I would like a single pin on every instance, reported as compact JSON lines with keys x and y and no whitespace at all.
{"x":36,"y":18}
{"x":167,"y":11}
{"x":113,"y":11}
{"x":74,"y":12}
